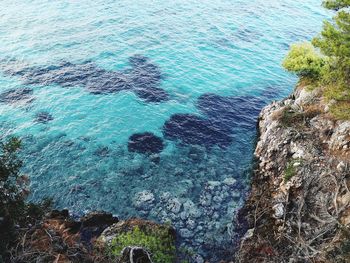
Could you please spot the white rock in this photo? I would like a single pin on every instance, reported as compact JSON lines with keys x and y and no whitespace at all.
{"x":279,"y":210}
{"x":213,"y":184}
{"x":191,"y":210}
{"x":304,"y":97}
{"x":340,"y":136}
{"x":143,"y":199}
{"x":205,"y":199}
{"x":249,"y":234}
{"x":165,"y":196}
{"x":217,"y":199}
{"x":230,"y":181}
{"x":185,"y":233}
{"x":173,"y":205}
{"x":198,"y":259}
{"x":341,"y":167}
{"x":191,"y":224}
{"x":296,"y":164}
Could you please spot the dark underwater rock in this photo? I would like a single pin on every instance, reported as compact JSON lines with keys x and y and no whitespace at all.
{"x":43,"y":117}
{"x":144,"y":78}
{"x":138,"y":60}
{"x":192,"y":129}
{"x":152,"y":94}
{"x":146,"y":75}
{"x":146,"y":143}
{"x":229,"y":112}
{"x":102,"y":151}
{"x":108,"y":83}
{"x":16,"y":95}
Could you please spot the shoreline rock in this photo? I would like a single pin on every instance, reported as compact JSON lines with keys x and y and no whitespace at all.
{"x":298,"y":209}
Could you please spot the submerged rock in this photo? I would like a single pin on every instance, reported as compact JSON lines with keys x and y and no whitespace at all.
{"x":146,"y":143}
{"x":185,"y":233}
{"x":102,"y":151}
{"x":17,"y":95}
{"x":144,"y":78}
{"x":143,"y":200}
{"x":110,"y":83}
{"x":190,"y":210}
{"x":151,"y":94}
{"x":192,"y":129}
{"x":173,"y":205}
{"x":43,"y":117}
{"x":230,"y":112}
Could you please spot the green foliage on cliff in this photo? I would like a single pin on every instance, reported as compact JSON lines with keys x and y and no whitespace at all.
{"x":289,"y":172}
{"x":336,"y":4}
{"x":13,"y":192}
{"x":334,"y":42}
{"x":305,"y":61}
{"x":341,"y":110}
{"x":158,"y":242}
{"x":326,"y":61}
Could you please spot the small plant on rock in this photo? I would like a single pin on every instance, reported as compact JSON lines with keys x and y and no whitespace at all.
{"x":291,"y":170}
{"x":158,"y":242}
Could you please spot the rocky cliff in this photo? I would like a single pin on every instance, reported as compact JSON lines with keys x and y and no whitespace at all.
{"x":299,"y":206}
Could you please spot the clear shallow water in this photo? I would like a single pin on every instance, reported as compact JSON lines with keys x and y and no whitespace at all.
{"x":81,"y":158}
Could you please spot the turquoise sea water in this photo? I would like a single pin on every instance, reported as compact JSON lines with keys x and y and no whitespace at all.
{"x":79,"y":155}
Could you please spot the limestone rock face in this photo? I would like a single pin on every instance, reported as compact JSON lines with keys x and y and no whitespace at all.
{"x":300,"y":189}
{"x":340,"y":139}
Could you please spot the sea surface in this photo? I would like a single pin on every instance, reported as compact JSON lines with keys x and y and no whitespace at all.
{"x":147,"y":108}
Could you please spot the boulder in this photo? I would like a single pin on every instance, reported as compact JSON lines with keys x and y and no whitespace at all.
{"x":133,"y":254}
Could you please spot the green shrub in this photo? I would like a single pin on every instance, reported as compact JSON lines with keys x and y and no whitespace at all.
{"x":290,"y":170}
{"x":341,"y":110}
{"x":303,"y":60}
{"x":13,"y":192}
{"x":159,"y":242}
{"x":334,"y":42}
{"x":326,"y":61}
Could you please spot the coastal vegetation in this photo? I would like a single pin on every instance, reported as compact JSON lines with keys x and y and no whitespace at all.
{"x":159,"y":243}
{"x":14,"y":210}
{"x":325,"y":61}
